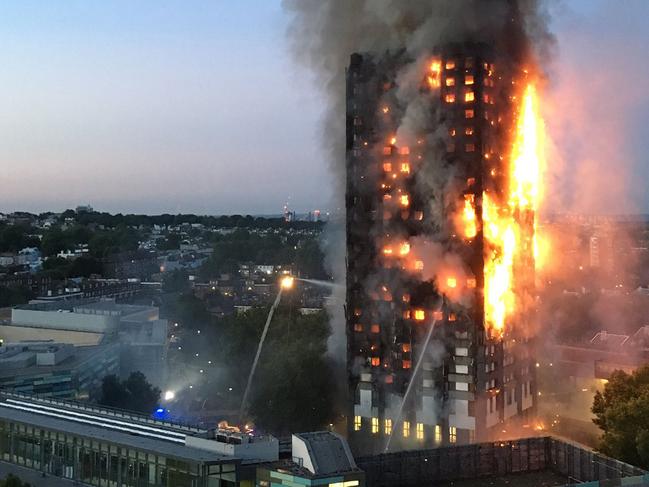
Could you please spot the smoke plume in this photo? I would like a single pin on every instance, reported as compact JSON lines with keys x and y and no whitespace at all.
{"x":324,"y":33}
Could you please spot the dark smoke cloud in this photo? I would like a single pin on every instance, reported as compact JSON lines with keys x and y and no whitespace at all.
{"x":324,"y":33}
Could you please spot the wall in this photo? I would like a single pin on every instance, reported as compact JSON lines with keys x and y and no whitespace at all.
{"x":483,"y":460}
{"x":64,"y":320}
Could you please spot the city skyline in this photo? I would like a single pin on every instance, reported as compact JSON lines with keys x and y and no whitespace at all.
{"x":187,"y":109}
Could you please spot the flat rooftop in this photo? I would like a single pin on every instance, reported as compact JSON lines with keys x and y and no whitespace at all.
{"x":162,"y":438}
{"x":79,"y":355}
{"x":87,"y":306}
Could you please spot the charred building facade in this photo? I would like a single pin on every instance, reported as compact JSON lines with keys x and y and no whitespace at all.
{"x":431,"y":360}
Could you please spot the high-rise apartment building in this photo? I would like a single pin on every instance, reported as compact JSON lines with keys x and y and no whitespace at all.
{"x":416,"y":252}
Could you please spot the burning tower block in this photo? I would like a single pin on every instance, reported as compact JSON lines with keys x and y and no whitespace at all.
{"x":442,"y":183}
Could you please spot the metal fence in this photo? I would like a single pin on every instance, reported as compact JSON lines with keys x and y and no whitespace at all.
{"x":483,"y":460}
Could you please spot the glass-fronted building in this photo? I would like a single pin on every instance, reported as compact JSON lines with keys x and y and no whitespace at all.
{"x":106,"y":448}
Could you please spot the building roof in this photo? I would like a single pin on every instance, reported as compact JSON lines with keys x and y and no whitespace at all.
{"x":329,"y":453}
{"x":102,"y":306}
{"x":19,"y":333}
{"x":165,"y":440}
{"x":610,"y":340}
{"x":76,"y":360}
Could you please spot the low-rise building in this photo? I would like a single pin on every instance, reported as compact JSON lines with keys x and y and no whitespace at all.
{"x":319,"y":458}
{"x":137,"y":330}
{"x":100,"y":447}
{"x":50,"y":369}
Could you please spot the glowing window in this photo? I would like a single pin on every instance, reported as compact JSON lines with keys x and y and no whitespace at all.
{"x":450,"y":64}
{"x":451,"y":132}
{"x":468,"y":131}
{"x":419,"y":265}
{"x":406,"y":429}
{"x":438,"y":434}
{"x":388,"y":426}
{"x":375,"y":425}
{"x":387,"y":166}
{"x":438,"y":315}
{"x":420,"y":314}
{"x":469,"y":114}
{"x":406,"y":314}
{"x":404,"y":200}
{"x":449,"y":98}
{"x":405,"y":347}
{"x":469,"y":96}
{"x":452,"y":434}
{"x":387,"y":151}
{"x":405,"y":167}
{"x":451,"y":282}
{"x":452,"y":317}
{"x":404,"y":151}
{"x":471,"y":283}
{"x":358,"y":327}
{"x":450,"y":81}
{"x":375,"y":328}
{"x":406,"y":364}
{"x":469,"y":147}
{"x":419,"y":215}
{"x":375,"y":361}
{"x":357,"y":423}
{"x":468,"y":79}
{"x":420,"y":431}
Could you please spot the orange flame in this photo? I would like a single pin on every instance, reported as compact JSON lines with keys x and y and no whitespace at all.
{"x":503,"y":231}
{"x":469,"y":216}
{"x":434,"y":76}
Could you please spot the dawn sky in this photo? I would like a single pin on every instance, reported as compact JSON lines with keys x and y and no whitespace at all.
{"x":195,"y":105}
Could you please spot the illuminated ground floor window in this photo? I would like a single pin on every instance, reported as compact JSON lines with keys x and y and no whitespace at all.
{"x":406,"y":429}
{"x":375,"y":425}
{"x":357,"y":423}
{"x":452,"y":434}
{"x":388,"y":426}
{"x":438,"y":434}
{"x":420,"y":431}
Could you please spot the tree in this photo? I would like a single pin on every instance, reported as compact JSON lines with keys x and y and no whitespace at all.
{"x":622,"y":412}
{"x":293,"y":388}
{"x":176,"y":281}
{"x":191,"y":312}
{"x":14,"y":295}
{"x":134,"y":393}
{"x":172,"y":242}
{"x":12,"y":481}
{"x":309,"y":260}
{"x":15,"y":237}
{"x":79,"y":267}
{"x":293,"y":391}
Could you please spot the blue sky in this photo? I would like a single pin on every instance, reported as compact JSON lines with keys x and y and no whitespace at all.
{"x":196,"y":106}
